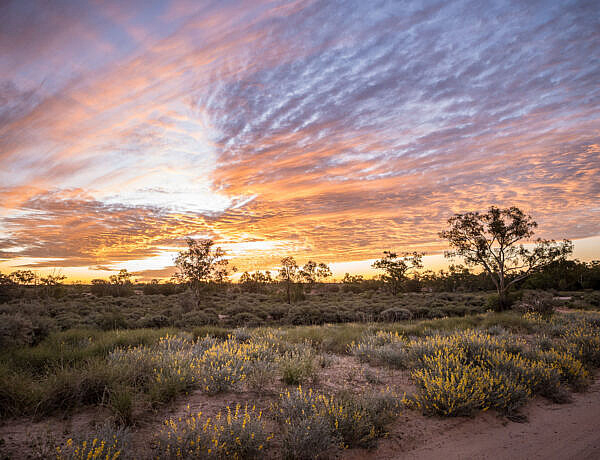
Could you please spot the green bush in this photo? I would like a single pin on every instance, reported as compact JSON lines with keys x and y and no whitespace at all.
{"x":298,"y":366}
{"x":395,"y":314}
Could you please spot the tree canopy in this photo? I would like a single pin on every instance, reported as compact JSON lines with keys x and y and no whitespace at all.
{"x":397,"y":268}
{"x":202,"y":264}
{"x":494,"y":241}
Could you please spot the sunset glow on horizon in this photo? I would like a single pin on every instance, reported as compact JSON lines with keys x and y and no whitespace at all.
{"x":329,"y":131}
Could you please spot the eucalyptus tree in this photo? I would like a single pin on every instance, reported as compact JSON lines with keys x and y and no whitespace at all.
{"x":202,"y":264}
{"x":495,"y":241}
{"x":397,"y":268}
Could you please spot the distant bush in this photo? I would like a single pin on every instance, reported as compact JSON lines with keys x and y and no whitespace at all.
{"x":395,"y":314}
{"x":541,"y":303}
{"x":493,"y":301}
{"x":15,"y":330}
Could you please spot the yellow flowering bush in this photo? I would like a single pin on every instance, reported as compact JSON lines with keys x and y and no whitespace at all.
{"x":571,"y":369}
{"x":86,"y":450}
{"x":177,"y":364}
{"x":237,"y":433}
{"x":313,"y":418}
{"x":106,"y":442}
{"x":583,"y":341}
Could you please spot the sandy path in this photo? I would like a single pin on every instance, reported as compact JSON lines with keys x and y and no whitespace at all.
{"x":567,"y":431}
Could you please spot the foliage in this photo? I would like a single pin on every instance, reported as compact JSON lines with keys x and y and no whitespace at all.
{"x":234,"y":434}
{"x":288,"y":275}
{"x":255,"y":282}
{"x":200,"y":264}
{"x":313,"y":272}
{"x":493,"y":241}
{"x":397,"y":268}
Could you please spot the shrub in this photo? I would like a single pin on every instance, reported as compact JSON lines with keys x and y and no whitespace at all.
{"x":298,"y":366}
{"x":15,"y":330}
{"x":493,"y":301}
{"x":395,"y":314}
{"x":105,"y":442}
{"x":237,"y":434}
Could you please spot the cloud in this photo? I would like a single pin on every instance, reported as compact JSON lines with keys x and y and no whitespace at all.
{"x":326,"y":130}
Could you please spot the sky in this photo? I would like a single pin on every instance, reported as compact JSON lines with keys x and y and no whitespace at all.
{"x":318,"y":129}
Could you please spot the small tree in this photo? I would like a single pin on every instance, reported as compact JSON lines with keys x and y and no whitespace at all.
{"x":121,"y":279}
{"x":255,"y":282}
{"x":201,"y":264}
{"x":52,"y":283}
{"x":313,"y":272}
{"x":288,"y":274}
{"x":494,"y":241}
{"x":121,"y":284}
{"x":24,"y":277}
{"x":397,"y":268}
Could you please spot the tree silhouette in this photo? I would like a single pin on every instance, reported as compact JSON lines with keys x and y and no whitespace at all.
{"x":494,"y":242}
{"x":202,"y":264}
{"x":288,"y":274}
{"x":396,"y":268}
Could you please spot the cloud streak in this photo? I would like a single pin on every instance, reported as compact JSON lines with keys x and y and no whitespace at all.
{"x":325,"y":130}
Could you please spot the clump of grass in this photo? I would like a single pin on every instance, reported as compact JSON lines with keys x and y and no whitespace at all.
{"x":237,"y":434}
{"x":121,"y":402}
{"x":371,"y":347}
{"x":308,"y":438}
{"x":260,"y":374}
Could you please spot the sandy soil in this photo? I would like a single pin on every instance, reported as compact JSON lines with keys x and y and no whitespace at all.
{"x":553,"y":431}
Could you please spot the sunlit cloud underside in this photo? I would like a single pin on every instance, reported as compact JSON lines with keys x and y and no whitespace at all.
{"x":323,"y":130}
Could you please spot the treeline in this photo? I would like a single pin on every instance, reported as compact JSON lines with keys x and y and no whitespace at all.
{"x":490,"y":244}
{"x":562,"y":275}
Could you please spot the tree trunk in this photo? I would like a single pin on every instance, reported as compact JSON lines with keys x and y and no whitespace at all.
{"x":503,"y":303}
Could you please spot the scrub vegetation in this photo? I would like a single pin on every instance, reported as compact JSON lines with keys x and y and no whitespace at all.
{"x":451,"y":366}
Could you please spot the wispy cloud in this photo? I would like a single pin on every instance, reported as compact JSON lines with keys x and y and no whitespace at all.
{"x":327,"y":130}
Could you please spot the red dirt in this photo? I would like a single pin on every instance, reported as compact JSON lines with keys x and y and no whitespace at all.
{"x":553,"y":431}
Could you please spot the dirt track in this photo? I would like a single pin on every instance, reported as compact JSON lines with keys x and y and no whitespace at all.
{"x":567,"y":431}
